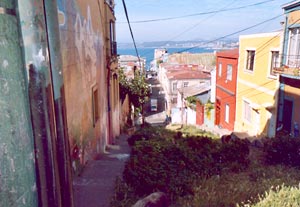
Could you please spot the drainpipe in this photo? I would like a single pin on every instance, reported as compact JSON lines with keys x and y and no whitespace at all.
{"x":110,"y":141}
{"x":280,"y":96}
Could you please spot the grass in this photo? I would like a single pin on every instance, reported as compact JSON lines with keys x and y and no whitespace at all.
{"x":240,"y":189}
{"x":190,"y":130}
{"x":248,"y":188}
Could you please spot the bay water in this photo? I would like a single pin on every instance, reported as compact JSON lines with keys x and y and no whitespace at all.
{"x":148,"y":53}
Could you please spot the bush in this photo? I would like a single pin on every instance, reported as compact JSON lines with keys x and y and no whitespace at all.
{"x":157,"y":166}
{"x":172,"y":167}
{"x":233,"y":155}
{"x":283,"y":150}
{"x":147,"y":133}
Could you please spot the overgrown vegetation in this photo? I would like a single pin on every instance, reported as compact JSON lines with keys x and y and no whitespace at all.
{"x":283,"y":150}
{"x":136,"y":88}
{"x":196,"y":169}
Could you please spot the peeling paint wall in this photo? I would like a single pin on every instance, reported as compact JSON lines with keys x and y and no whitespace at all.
{"x":63,"y":148}
{"x":40,"y":91}
{"x":40,"y":33}
{"x":17,"y":172}
{"x":82,"y":44}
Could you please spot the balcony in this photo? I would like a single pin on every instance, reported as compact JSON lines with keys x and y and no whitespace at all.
{"x":292,"y":71}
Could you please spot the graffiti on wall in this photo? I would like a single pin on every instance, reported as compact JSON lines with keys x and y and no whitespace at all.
{"x":86,"y":42}
{"x":81,"y":33}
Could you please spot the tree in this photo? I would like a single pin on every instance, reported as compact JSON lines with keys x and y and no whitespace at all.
{"x":123,"y":83}
{"x":137,"y":89}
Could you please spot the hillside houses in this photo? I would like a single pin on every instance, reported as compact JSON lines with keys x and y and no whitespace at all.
{"x":129,"y":63}
{"x":256,"y":85}
{"x":174,"y":77}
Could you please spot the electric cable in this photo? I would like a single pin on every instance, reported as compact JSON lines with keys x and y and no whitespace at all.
{"x":136,"y":50}
{"x":199,"y":14}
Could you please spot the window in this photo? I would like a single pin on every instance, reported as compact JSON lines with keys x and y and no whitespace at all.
{"x":113,"y":44}
{"x":229,"y":72}
{"x":220,"y":69}
{"x":250,"y":60}
{"x":185,"y":84}
{"x":247,"y":111}
{"x":293,"y":59}
{"x":95,"y":104}
{"x":274,"y":62}
{"x":227,"y":113}
{"x":174,"y":86}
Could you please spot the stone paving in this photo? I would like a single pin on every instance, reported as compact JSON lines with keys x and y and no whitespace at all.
{"x":95,"y":186}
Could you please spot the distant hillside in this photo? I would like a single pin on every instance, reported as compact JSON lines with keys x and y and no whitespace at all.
{"x":183,"y":44}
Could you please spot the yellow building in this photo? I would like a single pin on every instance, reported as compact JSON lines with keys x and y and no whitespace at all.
{"x":257,"y":84}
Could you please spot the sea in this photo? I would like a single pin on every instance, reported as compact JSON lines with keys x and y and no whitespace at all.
{"x":148,"y":53}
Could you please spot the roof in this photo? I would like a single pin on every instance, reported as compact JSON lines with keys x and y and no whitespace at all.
{"x":204,"y":59}
{"x":187,"y":74}
{"x":267,"y":34}
{"x":290,"y":5}
{"x":195,"y":67}
{"x":229,"y":53}
{"x":130,"y":58}
{"x":194,"y":90}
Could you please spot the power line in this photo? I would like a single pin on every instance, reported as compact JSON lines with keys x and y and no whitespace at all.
{"x":228,"y":35}
{"x":234,"y":33}
{"x":128,"y":22}
{"x":194,"y":26}
{"x":199,"y":14}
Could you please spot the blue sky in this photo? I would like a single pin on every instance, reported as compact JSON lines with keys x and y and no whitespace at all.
{"x":207,"y":27}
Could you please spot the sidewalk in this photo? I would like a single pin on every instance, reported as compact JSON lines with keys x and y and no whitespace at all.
{"x":94,"y":188}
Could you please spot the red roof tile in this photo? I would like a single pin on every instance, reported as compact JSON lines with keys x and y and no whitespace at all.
{"x":187,"y":74}
{"x":229,"y":53}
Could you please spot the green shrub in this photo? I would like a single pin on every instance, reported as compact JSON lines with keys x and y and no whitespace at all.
{"x":172,"y":167}
{"x":233,"y":155}
{"x":157,"y":165}
{"x":282,"y":151}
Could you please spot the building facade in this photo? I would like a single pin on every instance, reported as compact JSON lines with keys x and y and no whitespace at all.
{"x":58,"y":94}
{"x":289,"y":90}
{"x":174,"y":77}
{"x":257,"y":86}
{"x":226,"y":79}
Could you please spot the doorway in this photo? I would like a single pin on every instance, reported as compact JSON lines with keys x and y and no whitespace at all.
{"x":287,"y":115}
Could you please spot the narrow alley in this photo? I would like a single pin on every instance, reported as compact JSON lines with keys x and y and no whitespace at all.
{"x":95,"y":186}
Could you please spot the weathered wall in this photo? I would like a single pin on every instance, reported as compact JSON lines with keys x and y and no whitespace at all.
{"x":63,"y":148}
{"x":82,"y":46}
{"x":39,"y":25}
{"x":17,"y":174}
{"x":40,"y":92}
{"x":115,"y":106}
